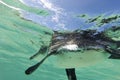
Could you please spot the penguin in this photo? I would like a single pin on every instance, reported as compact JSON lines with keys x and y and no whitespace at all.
{"x":79,"y":48}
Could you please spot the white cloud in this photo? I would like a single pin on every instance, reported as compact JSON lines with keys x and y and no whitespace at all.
{"x":53,"y":8}
{"x":55,"y":18}
{"x":47,"y":4}
{"x":57,"y":10}
{"x":22,"y":1}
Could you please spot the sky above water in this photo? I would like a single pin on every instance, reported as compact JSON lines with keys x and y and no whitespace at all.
{"x":63,"y":12}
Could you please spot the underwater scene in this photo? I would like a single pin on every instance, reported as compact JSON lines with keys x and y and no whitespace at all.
{"x":36,"y":39}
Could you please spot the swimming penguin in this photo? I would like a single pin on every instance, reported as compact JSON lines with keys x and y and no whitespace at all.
{"x":79,"y":48}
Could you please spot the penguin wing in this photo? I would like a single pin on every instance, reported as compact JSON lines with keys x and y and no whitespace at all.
{"x":42,"y":50}
{"x":115,"y":53}
{"x":114,"y":57}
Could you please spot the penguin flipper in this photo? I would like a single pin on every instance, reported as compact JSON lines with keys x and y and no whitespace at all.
{"x":41,"y":51}
{"x":34,"y":67}
{"x":115,"y":53}
{"x":114,"y":57}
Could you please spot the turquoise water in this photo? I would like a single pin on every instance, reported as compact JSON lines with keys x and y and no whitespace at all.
{"x":21,"y":38}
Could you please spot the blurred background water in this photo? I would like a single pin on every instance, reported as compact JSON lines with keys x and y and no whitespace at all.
{"x":25,"y":25}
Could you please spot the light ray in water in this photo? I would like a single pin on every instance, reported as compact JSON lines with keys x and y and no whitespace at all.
{"x":18,"y":9}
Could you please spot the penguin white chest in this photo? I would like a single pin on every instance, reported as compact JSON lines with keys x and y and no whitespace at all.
{"x":69,"y":47}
